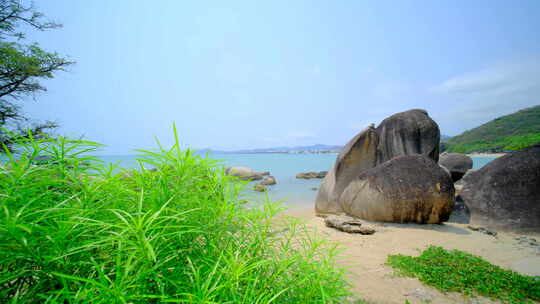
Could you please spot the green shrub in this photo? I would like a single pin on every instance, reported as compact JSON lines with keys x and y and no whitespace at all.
{"x":75,"y":231}
{"x":462,"y":272}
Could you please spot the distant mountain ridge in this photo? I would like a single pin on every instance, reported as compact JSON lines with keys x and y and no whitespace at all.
{"x":507,"y":133}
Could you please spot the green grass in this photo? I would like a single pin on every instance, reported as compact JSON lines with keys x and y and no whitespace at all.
{"x":462,"y":272}
{"x":75,"y":231}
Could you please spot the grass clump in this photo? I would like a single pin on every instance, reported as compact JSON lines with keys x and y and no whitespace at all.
{"x":462,"y":272}
{"x":74,"y":231}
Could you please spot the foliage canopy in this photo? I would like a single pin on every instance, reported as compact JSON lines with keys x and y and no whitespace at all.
{"x":22,"y":66}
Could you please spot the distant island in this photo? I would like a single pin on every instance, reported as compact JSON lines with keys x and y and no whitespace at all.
{"x":313,"y":149}
{"x":504,"y":134}
{"x":507,"y":133}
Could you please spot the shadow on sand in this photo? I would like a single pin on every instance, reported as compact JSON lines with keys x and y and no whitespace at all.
{"x":460,"y":215}
{"x":445,"y":228}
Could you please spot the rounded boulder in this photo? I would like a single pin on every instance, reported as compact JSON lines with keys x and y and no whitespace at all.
{"x":505,"y":193}
{"x":457,"y":163}
{"x":404,"y":189}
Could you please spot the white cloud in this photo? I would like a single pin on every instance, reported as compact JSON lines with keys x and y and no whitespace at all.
{"x":476,"y":97}
{"x":498,"y":80}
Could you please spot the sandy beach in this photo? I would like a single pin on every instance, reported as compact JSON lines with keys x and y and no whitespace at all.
{"x":375,"y":282}
{"x":487,"y":154}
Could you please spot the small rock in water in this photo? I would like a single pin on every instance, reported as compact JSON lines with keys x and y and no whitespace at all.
{"x":309,"y":175}
{"x":347,"y":224}
{"x":314,"y":188}
{"x":260,"y":188}
{"x":483,"y":230}
{"x":268,"y":180}
{"x":244,"y":173}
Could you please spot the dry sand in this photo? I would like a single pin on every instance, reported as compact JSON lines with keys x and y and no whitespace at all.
{"x":487,"y":154}
{"x":375,"y":282}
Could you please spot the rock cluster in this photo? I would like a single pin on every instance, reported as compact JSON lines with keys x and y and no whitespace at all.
{"x":529,"y":242}
{"x":390,"y":173}
{"x":252,"y":175}
{"x":483,"y":230}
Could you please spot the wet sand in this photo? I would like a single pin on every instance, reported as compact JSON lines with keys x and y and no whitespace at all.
{"x":375,"y":282}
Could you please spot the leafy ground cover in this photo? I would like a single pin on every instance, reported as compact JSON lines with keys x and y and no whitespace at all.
{"x":75,"y":231}
{"x":462,"y":272}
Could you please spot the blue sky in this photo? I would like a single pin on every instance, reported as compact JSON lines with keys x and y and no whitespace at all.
{"x":246,"y":74}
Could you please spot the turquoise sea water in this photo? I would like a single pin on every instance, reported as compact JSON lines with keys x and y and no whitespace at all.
{"x":296,"y":193}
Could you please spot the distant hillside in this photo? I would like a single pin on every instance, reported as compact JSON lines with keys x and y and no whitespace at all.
{"x":511,"y":132}
{"x":445,"y":138}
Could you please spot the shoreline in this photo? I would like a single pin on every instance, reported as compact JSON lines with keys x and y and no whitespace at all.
{"x":364,"y":256}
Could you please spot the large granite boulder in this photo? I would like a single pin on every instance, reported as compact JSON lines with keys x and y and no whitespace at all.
{"x":404,"y":189}
{"x":244,"y":173}
{"x":505,"y":193}
{"x":457,"y":163}
{"x":358,"y":155}
{"x":407,"y":133}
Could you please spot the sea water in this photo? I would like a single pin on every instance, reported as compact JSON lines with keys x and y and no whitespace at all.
{"x":295,"y":193}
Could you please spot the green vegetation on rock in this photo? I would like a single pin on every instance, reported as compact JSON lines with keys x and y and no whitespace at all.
{"x":75,"y":231}
{"x":462,"y":272}
{"x":507,"y":133}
